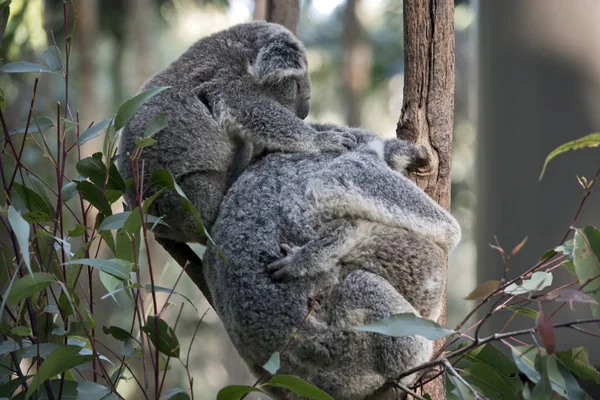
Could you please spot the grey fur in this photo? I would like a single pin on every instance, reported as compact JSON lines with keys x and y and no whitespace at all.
{"x":351,"y":228}
{"x":237,"y":93}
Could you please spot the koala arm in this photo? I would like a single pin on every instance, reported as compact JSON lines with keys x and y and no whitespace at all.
{"x":241,"y":108}
{"x":320,"y":255}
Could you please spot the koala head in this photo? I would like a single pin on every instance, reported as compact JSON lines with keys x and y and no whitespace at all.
{"x":281,"y":70}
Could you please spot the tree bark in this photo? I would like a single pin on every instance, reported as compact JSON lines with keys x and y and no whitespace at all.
{"x":428,"y":106}
{"x":284,"y":12}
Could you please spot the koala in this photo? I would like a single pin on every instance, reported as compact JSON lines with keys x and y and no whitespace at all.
{"x":244,"y":88}
{"x":348,"y":227}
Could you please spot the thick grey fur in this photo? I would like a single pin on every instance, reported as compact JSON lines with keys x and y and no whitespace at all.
{"x":346,"y":226}
{"x":243,"y":88}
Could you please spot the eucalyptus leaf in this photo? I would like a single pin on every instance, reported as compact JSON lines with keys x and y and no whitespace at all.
{"x":406,"y":324}
{"x":298,"y":386}
{"x":24,"y":67}
{"x":131,"y":106}
{"x":93,"y":131}
{"x":538,"y":281}
{"x":21,"y":229}
{"x":591,"y":140}
{"x":586,"y":258}
{"x":115,"y":267}
{"x":166,"y":341}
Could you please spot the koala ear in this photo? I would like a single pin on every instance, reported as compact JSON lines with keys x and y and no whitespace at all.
{"x":282,"y":57}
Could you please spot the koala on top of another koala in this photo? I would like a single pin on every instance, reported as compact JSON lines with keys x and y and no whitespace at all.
{"x":344,"y":225}
{"x":244,"y":86}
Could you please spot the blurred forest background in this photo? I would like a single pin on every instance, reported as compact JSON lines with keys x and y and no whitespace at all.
{"x":527,"y":80}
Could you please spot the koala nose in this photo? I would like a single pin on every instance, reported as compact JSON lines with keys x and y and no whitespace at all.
{"x":303,"y":109}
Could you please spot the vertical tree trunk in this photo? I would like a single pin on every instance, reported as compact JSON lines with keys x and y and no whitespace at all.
{"x":356,"y":63}
{"x":284,"y":12}
{"x":260,"y":9}
{"x":428,"y":105}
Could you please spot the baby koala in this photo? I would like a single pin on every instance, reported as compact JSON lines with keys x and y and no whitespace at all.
{"x":349,"y":227}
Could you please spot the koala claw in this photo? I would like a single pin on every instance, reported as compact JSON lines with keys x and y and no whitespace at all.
{"x":286,"y":268}
{"x":335,"y":140}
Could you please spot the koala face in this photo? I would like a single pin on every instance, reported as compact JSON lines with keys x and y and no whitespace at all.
{"x":293,"y":92}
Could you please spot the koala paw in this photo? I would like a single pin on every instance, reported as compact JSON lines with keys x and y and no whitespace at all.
{"x":335,"y":140}
{"x":287,"y":268}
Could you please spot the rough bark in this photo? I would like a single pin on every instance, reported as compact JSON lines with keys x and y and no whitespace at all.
{"x":284,"y":12}
{"x":428,"y":105}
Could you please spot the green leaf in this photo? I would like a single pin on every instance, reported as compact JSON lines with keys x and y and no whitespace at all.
{"x":577,"y":361}
{"x":93,"y":131}
{"x":166,"y":341}
{"x":20,"y":331}
{"x":406,"y":324}
{"x":543,"y":388}
{"x":24,"y":66}
{"x":538,"y":281}
{"x":491,"y":356}
{"x":21,"y":230}
{"x":92,"y":391}
{"x":145,"y":142}
{"x":29,"y":285}
{"x":115,"y":267}
{"x":110,"y":283}
{"x":9,"y":387}
{"x":489,"y":382}
{"x":77,"y":231}
{"x":68,"y":191}
{"x":44,"y":123}
{"x":8,"y":346}
{"x":60,"y":360}
{"x":176,"y":394}
{"x":69,"y":390}
{"x":298,"y":386}
{"x":52,"y":57}
{"x":117,"y":221}
{"x":528,"y":359}
{"x":131,"y":106}
{"x":94,"y":196}
{"x":32,"y":200}
{"x":528,"y":312}
{"x":157,"y":124}
{"x":457,"y":390}
{"x":129,"y":235}
{"x":157,"y":289}
{"x":566,"y":248}
{"x":94,"y":168}
{"x":236,"y":392}
{"x":591,"y":140}
{"x":118,"y":333}
{"x":586,"y":258}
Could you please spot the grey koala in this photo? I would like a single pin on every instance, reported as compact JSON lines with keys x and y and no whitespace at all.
{"x":243,"y":88}
{"x":346,"y":226}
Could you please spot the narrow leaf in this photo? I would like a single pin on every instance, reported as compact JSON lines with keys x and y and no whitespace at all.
{"x":157,"y":289}
{"x":157,"y":124}
{"x":272,"y":365}
{"x":236,"y":392}
{"x":591,"y":140}
{"x":93,"y":131}
{"x":131,"y":106}
{"x":166,"y":341}
{"x":60,"y":360}
{"x":577,"y":361}
{"x":29,"y":285}
{"x":115,"y":267}
{"x":44,"y":123}
{"x":586,"y":258}
{"x":298,"y":386}
{"x":21,"y":230}
{"x":52,"y":57}
{"x":406,"y":324}
{"x":24,"y":66}
{"x":483,"y":290}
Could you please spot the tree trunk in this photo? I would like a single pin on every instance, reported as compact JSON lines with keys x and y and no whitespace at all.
{"x":428,"y":105}
{"x":356,"y":67}
{"x":284,"y":12}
